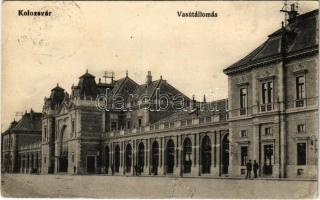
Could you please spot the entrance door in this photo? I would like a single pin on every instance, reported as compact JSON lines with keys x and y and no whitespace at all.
{"x":268,"y":159}
{"x":187,"y":155}
{"x":206,"y":155}
{"x":141,"y":157}
{"x":128,"y":158}
{"x":107,"y":159}
{"x":90,"y":164}
{"x":225,"y":154}
{"x":170,"y":157}
{"x":155,"y":158}
{"x":117,"y":159}
{"x":63,"y":162}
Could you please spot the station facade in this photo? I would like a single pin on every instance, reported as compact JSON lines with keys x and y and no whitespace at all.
{"x":270,"y":116}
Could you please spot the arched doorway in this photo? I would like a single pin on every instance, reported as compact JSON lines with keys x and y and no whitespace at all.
{"x":155,"y":157}
{"x":63,"y":160}
{"x":206,"y":155}
{"x":117,"y":159}
{"x":225,"y":154}
{"x":187,"y":155}
{"x":128,"y":158}
{"x":170,"y":156}
{"x":107,"y":156}
{"x":141,"y":156}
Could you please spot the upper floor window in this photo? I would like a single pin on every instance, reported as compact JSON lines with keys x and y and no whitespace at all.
{"x":300,"y":128}
{"x":128,"y":124}
{"x":45,"y":133}
{"x":244,"y":133}
{"x":201,"y":120}
{"x":300,"y":81}
{"x":166,"y":125}
{"x":139,"y":122}
{"x":113,"y":126}
{"x":243,"y":101}
{"x":267,"y":92}
{"x":73,"y":126}
{"x":268,"y":131}
{"x":171,"y":124}
{"x":183,"y":122}
{"x":300,"y":91}
{"x":243,"y":97}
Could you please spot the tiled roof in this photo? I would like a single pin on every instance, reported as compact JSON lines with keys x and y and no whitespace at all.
{"x":302,"y":35}
{"x":29,"y":122}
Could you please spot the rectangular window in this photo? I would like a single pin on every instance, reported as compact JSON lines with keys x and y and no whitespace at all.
{"x":189,"y":122}
{"x":267,"y":92}
{"x":113,"y":126}
{"x":301,"y":154}
{"x":139,"y":122}
{"x":300,"y":81}
{"x":268,"y":131}
{"x":166,"y":125}
{"x":171,"y":124}
{"x":73,"y":127}
{"x":244,"y":155}
{"x":244,"y":133}
{"x":183,"y":122}
{"x":243,"y":97}
{"x":300,"y":128}
{"x":45,"y":132}
{"x":128,"y":124}
{"x":208,"y":119}
{"x":201,"y":120}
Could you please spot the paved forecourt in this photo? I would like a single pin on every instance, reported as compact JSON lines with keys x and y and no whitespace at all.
{"x":98,"y":186}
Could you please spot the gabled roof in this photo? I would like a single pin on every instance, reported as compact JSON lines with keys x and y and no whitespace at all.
{"x":302,"y":36}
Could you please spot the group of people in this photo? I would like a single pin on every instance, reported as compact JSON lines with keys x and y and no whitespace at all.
{"x":250,"y":166}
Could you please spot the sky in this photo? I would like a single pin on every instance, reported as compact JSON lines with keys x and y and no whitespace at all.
{"x":190,"y":53}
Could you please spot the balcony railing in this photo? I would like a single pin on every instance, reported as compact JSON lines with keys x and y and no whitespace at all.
{"x":179,"y":123}
{"x":266,"y":107}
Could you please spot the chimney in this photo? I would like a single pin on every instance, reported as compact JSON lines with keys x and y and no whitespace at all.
{"x":149,"y":78}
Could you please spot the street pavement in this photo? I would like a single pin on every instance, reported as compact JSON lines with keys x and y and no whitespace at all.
{"x":99,"y":186}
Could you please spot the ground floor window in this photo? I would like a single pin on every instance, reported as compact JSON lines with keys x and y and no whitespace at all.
{"x":301,"y":153}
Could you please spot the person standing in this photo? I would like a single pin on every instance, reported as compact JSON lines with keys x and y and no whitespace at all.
{"x":249,"y":168}
{"x":255,"y":168}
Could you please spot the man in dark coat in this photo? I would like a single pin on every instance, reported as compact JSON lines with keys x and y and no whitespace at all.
{"x":249,"y":168}
{"x":255,"y":168}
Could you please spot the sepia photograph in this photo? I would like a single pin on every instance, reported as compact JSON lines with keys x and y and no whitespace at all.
{"x":160,"y":99}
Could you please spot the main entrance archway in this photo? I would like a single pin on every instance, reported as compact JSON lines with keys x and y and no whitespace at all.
{"x":187,"y":155}
{"x":63,"y":159}
{"x":141,"y":157}
{"x":117,"y":159}
{"x":206,"y":155}
{"x":225,"y":154}
{"x":155,"y":157}
{"x":170,"y":156}
{"x":128,"y":158}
